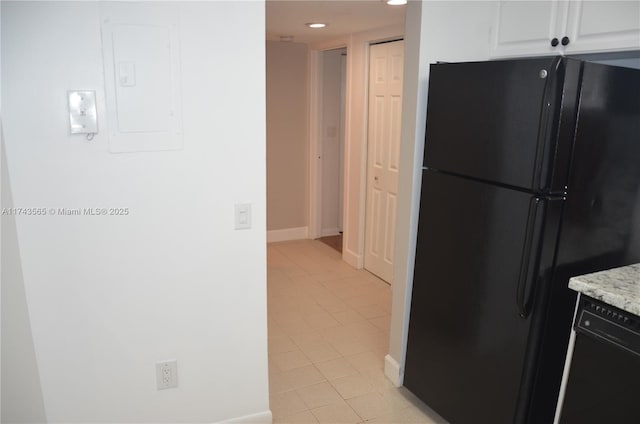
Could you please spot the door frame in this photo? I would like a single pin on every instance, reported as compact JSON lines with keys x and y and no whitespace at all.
{"x":315,"y":130}
{"x":355,"y":136}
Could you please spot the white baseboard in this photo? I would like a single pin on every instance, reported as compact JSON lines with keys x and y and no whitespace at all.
{"x":287,"y":234}
{"x":353,"y":259}
{"x":264,"y":417}
{"x":329,"y":232}
{"x":392,"y":371}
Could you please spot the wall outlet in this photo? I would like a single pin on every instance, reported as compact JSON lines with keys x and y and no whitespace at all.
{"x":167,"y":374}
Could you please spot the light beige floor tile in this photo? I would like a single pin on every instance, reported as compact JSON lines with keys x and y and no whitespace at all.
{"x":336,"y":414}
{"x":344,"y":341}
{"x":366,"y":298}
{"x":319,"y":351}
{"x":278,"y":384}
{"x":353,"y":386}
{"x":305,"y":417}
{"x":357,"y":280}
{"x":336,"y":368}
{"x":318,"y":395}
{"x":383,"y":323}
{"x":285,"y":404}
{"x":335,"y":273}
{"x":379,"y":380}
{"x":302,"y":377}
{"x":405,"y":416}
{"x":338,"y":306}
{"x":273,"y":368}
{"x":372,"y":405}
{"x":303,"y":337}
{"x":346,"y":293}
{"x":296,"y":326}
{"x":286,"y":361}
{"x":396,"y":417}
{"x":366,"y":361}
{"x":329,"y":302}
{"x":372,"y":311}
{"x":316,"y":300}
{"x":349,"y":317}
{"x":275,"y":331}
{"x":320,"y":320}
{"x":373,"y":339}
{"x":364,"y":327}
{"x":396,"y":398}
{"x":340,"y":333}
{"x":281,"y":344}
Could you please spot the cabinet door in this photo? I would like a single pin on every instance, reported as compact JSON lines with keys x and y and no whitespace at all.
{"x":603,"y":26}
{"x":524,"y":28}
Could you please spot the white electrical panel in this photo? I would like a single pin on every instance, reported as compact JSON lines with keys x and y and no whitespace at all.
{"x":83,"y":116}
{"x":141,"y":52}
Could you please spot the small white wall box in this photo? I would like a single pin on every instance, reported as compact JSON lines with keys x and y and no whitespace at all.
{"x":83,"y":117}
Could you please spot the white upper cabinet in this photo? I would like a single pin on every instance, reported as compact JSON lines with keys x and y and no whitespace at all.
{"x":527,"y":28}
{"x":603,"y":26}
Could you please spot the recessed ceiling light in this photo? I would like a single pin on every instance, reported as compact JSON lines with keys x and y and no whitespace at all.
{"x":316,"y":25}
{"x":396,"y":2}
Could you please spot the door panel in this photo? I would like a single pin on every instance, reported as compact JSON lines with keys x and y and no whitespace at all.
{"x":487,"y":120}
{"x":383,"y":157}
{"x":514,"y":35}
{"x":603,"y":25}
{"x":467,"y":343}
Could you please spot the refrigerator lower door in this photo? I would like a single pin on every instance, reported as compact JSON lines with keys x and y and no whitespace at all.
{"x":476,"y":271}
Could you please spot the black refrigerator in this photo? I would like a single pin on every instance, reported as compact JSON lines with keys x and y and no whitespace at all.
{"x":531,"y":175}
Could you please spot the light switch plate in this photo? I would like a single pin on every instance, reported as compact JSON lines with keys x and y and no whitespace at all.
{"x":83,"y":116}
{"x":243,"y":216}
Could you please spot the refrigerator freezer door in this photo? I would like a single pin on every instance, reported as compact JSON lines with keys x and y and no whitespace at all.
{"x":602,"y":221}
{"x":467,"y":345}
{"x":497,"y":121}
{"x":601,"y":218}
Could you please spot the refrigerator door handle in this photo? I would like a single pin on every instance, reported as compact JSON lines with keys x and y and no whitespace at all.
{"x":530,"y":258}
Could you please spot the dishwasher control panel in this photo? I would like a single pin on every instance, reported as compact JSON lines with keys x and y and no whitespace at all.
{"x":610,"y":324}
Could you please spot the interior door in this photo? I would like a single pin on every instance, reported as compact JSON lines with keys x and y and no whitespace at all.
{"x":386,"y":62}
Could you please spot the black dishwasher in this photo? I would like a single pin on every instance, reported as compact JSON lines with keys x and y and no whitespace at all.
{"x":603,"y":385}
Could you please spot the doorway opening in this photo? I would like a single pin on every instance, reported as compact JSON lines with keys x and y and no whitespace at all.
{"x":332,"y":137}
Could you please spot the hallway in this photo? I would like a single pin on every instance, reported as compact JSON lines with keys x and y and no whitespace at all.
{"x":328,"y":335}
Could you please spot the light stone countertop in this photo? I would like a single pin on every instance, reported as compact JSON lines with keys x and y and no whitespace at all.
{"x":619,"y":287}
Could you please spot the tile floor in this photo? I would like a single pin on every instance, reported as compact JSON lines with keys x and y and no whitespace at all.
{"x":328,"y":335}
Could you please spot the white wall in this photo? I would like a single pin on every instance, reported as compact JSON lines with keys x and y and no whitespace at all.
{"x":107,"y":297}
{"x":21,"y":391}
{"x":287,"y":139}
{"x":435,"y":31}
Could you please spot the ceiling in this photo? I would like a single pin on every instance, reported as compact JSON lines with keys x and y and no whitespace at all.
{"x":288,"y":17}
